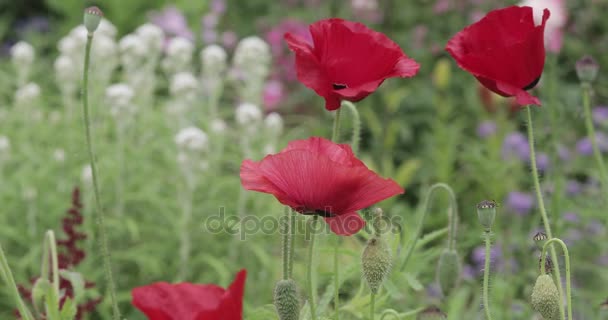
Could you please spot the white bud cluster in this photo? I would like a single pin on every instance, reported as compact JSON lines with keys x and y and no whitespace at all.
{"x":252,"y":58}
{"x":86,"y":175}
{"x":120,"y":99}
{"x":248,"y":115}
{"x":22,"y":57}
{"x":192,"y":139}
{"x":184,"y":85}
{"x":59,"y":155}
{"x":152,"y":37}
{"x":218,"y":126}
{"x":274,"y":124}
{"x":213,"y":60}
{"x":179,"y":56}
{"x":27,"y":95}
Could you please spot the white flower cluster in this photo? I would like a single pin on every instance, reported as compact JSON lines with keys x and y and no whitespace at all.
{"x":178,"y":57}
{"x":119,"y":97}
{"x":251,"y":66}
{"x":192,"y":144}
{"x":22,"y":57}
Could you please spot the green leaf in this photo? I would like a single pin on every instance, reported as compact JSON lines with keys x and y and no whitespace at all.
{"x":68,"y":312}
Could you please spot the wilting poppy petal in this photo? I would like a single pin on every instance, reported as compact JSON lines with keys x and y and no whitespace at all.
{"x":504,"y":51}
{"x":347,"y":60}
{"x":187,"y":301}
{"x":317,"y":176}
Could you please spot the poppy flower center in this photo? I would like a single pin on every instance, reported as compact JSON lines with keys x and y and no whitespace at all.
{"x":339,"y":86}
{"x":322,"y":213}
{"x":532,"y":84}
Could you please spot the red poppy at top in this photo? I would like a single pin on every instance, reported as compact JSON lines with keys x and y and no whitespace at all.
{"x":319,"y":177}
{"x":505,"y":51}
{"x":187,"y":301}
{"x":347,"y":60}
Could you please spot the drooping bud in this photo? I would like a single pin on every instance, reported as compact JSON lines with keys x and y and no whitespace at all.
{"x":431,"y":313}
{"x":286,"y":300}
{"x":486,"y":212}
{"x":448,"y":271}
{"x":587,"y":69}
{"x":545,"y":297}
{"x":92,"y":18}
{"x":376,"y":262}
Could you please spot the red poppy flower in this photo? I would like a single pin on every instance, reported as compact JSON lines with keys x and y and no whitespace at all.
{"x":317,"y":176}
{"x":505,"y":51}
{"x":187,"y":301}
{"x":347,"y":60}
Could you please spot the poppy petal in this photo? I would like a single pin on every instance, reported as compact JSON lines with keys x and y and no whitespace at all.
{"x":346,"y":224}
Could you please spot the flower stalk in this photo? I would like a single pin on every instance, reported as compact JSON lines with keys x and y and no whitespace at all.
{"x":541,"y":203}
{"x":486,"y":274}
{"x":586,"y":92}
{"x":567,"y":258}
{"x":99,"y":214}
{"x":311,"y":251}
{"x":7,"y":276}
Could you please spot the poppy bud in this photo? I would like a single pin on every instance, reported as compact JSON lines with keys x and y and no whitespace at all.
{"x":92,"y":18}
{"x":448,"y":271}
{"x":441,"y":74}
{"x":286,"y":300}
{"x":486,"y":212}
{"x":587,"y":69}
{"x":545,"y":297}
{"x":376,"y":262}
{"x":431,"y":313}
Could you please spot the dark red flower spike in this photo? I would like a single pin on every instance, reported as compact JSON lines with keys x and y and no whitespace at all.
{"x":347,"y":60}
{"x":505,"y":51}
{"x":187,"y":301}
{"x":317,"y":176}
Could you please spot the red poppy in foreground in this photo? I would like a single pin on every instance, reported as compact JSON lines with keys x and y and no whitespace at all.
{"x":317,"y":176}
{"x":187,"y":301}
{"x":347,"y":60}
{"x":505,"y":51}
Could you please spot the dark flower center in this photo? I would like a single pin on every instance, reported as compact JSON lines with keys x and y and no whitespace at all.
{"x":339,"y":86}
{"x":322,"y":213}
{"x":532,"y":84}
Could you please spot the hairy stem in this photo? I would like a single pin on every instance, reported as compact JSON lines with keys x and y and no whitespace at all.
{"x":99,"y":214}
{"x":486,"y":276}
{"x":354,"y":143}
{"x":586,"y":88}
{"x":541,"y":205}
{"x":334,"y":137}
{"x":452,"y":217}
{"x":372,"y":306}
{"x":567,"y":257}
{"x":285,"y":244}
{"x":7,"y":276}
{"x":292,"y":227}
{"x":311,"y":251}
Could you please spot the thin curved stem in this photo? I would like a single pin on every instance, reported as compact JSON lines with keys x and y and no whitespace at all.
{"x":354,"y":143}
{"x":372,"y":306}
{"x":567,"y":258}
{"x":586,"y":88}
{"x":7,"y":275}
{"x":486,"y":275}
{"x":103,"y":241}
{"x":541,"y":205}
{"x":452,"y":217}
{"x":311,"y":286}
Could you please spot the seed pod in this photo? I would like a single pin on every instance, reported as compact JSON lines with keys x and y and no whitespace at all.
{"x":286,"y":300}
{"x":92,"y":18}
{"x":431,"y":313}
{"x":545,"y":297}
{"x":486,"y":212}
{"x":448,"y":271}
{"x":376,"y":262}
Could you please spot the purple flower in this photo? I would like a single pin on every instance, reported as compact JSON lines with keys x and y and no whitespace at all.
{"x":486,"y":128}
{"x":516,"y":145}
{"x":542,"y":161}
{"x":563,"y":153}
{"x":595,"y":228}
{"x":210,"y":21}
{"x":571,"y":217}
{"x":519,"y":202}
{"x":585,"y":148}
{"x":172,"y":22}
{"x":572,"y":236}
{"x":573,"y":187}
{"x":479,"y":254}
{"x":600,"y":115}
{"x":218,"y":6}
{"x":229,"y":39}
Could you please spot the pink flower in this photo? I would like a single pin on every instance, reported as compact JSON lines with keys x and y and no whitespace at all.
{"x":173,"y":22}
{"x":274,"y":93}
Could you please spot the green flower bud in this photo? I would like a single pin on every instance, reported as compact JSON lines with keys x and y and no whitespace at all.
{"x":431,"y":313}
{"x":92,"y":18}
{"x":545,"y":298}
{"x":486,"y":212}
{"x":441,"y":74}
{"x":587,"y":69}
{"x":286,"y":300}
{"x":376,"y":262}
{"x":448,"y":271}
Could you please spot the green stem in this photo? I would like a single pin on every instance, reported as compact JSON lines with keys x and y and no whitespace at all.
{"x":372,"y":306}
{"x":7,"y":275}
{"x":591,"y":133}
{"x":486,"y":276}
{"x":292,"y":227}
{"x":285,"y":244}
{"x":334,"y":137}
{"x":185,"y":241}
{"x":103,"y":241}
{"x":398,"y":316}
{"x":354,"y":144}
{"x":311,"y":286}
{"x":452,"y":217}
{"x":567,"y":258}
{"x":336,"y":131}
{"x":541,"y":205}
{"x":50,"y":245}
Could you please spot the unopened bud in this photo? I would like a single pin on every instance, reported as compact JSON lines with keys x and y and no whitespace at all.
{"x":545,"y":297}
{"x":587,"y":69}
{"x":376,"y":262}
{"x":448,"y":271}
{"x":286,"y":300}
{"x":431,"y":313}
{"x":92,"y":18}
{"x":486,"y":212}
